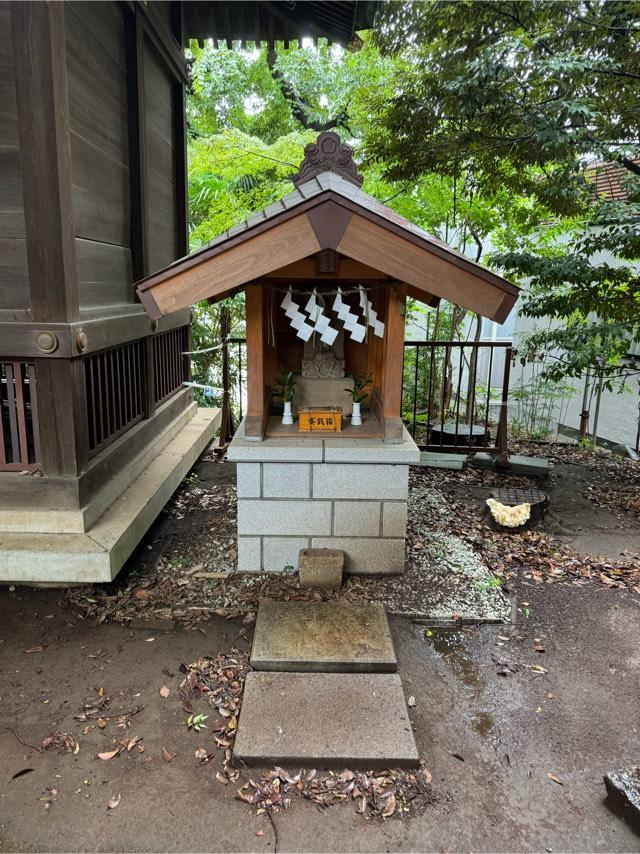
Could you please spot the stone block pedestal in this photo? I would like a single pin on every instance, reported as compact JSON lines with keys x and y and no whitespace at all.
{"x":309,"y":492}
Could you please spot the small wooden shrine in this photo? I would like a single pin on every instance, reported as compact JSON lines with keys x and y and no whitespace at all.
{"x":326,"y":271}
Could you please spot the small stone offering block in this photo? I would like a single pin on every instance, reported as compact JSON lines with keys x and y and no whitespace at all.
{"x":321,"y":568}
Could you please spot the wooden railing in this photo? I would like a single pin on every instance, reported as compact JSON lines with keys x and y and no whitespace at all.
{"x":171,"y":366}
{"x":114,"y":381}
{"x":19,"y":440}
{"x":124,"y":384}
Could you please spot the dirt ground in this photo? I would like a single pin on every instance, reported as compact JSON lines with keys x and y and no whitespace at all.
{"x":497,"y":710}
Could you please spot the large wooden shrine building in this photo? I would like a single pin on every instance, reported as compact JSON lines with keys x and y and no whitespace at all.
{"x":96,"y":425}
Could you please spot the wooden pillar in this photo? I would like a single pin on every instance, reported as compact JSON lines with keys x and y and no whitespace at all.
{"x":38,"y":31}
{"x":43,"y":123}
{"x":257,"y":404}
{"x":392,"y":362}
{"x":62,"y":414}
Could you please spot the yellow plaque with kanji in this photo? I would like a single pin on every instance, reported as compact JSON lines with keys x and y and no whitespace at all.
{"x":320,"y":418}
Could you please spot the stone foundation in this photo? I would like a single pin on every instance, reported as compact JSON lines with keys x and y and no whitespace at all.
{"x":308,"y":492}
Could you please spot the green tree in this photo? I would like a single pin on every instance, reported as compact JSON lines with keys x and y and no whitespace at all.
{"x":526,"y":96}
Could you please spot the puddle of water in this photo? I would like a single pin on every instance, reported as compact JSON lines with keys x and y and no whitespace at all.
{"x":451,"y":645}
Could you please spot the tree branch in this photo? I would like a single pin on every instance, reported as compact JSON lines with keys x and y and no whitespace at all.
{"x":301,"y":109}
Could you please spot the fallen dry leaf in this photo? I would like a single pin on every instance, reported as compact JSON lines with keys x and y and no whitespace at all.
{"x":109,"y":754}
{"x":555,"y":779}
{"x":164,"y":692}
{"x":37,"y":648}
{"x":166,"y":755}
{"x":389,"y":807}
{"x":22,"y":773}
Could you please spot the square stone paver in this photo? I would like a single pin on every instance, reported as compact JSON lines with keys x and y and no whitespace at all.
{"x":323,"y":636}
{"x":326,"y":720}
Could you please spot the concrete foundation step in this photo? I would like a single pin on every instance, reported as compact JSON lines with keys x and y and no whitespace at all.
{"x":325,"y":720}
{"x":341,"y":637}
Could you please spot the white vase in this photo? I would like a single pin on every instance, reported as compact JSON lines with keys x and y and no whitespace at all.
{"x":287,"y":417}
{"x":356,"y":420}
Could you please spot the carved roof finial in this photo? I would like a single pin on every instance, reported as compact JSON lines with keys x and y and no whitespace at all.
{"x":328,"y":154}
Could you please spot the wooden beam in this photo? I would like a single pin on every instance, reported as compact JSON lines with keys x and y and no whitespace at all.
{"x":180,"y":154}
{"x":20,"y":340}
{"x":257,"y":408}
{"x":137,"y":144}
{"x":389,"y":252}
{"x":392,"y":363}
{"x":62,"y":413}
{"x":43,"y":121}
{"x":423,"y":296}
{"x":346,"y":269}
{"x":164,"y":41}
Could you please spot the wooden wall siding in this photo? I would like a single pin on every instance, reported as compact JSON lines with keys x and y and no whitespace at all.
{"x":97,"y":74}
{"x":160,"y":163}
{"x":19,"y":442}
{"x":14,"y":283}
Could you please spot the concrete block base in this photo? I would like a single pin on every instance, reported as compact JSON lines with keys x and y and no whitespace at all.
{"x":335,"y":637}
{"x":304,"y":492}
{"x":321,"y":568}
{"x":325,"y":720}
{"x":100,"y":552}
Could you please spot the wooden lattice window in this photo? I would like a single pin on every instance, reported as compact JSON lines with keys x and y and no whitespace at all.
{"x":19,"y":440}
{"x":115,"y":392}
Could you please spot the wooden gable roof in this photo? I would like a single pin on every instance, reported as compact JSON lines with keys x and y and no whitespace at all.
{"x":328,"y":212}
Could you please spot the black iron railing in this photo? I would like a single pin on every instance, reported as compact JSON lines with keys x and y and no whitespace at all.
{"x":455,"y":394}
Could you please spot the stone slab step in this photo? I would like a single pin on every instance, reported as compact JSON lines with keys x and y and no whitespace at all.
{"x":436,"y":460}
{"x":534,"y":466}
{"x":323,"y":636}
{"x":325,"y":720}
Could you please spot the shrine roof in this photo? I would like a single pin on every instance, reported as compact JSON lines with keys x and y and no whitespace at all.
{"x":317,"y":215}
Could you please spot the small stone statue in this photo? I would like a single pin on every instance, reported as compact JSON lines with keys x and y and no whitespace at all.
{"x":322,"y":360}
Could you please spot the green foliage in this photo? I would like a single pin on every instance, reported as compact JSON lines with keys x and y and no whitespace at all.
{"x":285,"y":386}
{"x":359,"y":391}
{"x":196,"y":722}
{"x":517,"y":98}
{"x":520,"y":92}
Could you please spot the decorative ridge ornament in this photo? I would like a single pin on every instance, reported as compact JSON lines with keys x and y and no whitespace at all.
{"x":328,"y":154}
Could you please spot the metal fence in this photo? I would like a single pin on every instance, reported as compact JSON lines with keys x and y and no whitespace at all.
{"x":454,"y":393}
